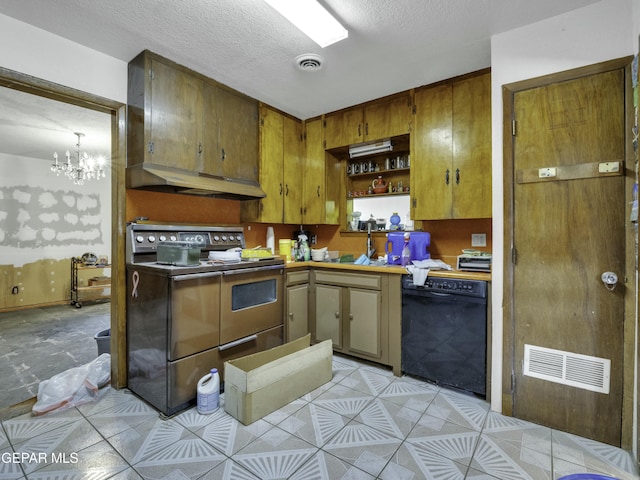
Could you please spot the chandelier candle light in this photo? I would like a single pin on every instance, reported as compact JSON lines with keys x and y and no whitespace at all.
{"x":87,"y":168}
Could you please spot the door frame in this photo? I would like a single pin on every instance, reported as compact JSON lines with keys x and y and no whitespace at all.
{"x":44,"y":88}
{"x":631,"y":301}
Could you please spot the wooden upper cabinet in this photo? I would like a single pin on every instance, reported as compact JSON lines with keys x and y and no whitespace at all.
{"x":181,"y":119}
{"x":165,"y":114}
{"x":314,"y":191}
{"x":431,"y":153}
{"x":292,"y":170}
{"x":230,"y":134}
{"x":376,"y":120}
{"x":343,"y":128}
{"x":280,"y":170}
{"x":388,"y":117}
{"x":237,"y":150}
{"x":270,"y":208}
{"x":451,"y":150}
{"x":472,"y":147}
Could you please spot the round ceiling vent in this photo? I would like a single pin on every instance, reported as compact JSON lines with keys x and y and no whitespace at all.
{"x":309,"y":62}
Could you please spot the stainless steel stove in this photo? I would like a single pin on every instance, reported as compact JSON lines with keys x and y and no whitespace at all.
{"x":184,"y":320}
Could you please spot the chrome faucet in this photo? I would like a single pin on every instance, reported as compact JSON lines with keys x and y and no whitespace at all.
{"x":370,"y":250}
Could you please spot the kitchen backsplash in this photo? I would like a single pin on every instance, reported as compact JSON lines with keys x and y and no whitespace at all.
{"x":448,"y":237}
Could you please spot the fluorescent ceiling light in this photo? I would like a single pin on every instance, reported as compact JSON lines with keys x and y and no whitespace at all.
{"x":311,"y":17}
{"x":370,"y":149}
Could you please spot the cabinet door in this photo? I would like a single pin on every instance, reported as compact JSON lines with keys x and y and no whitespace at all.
{"x":364,"y":322}
{"x":329,"y":314}
{"x":387,"y":118}
{"x":297,"y":311}
{"x":271,"y":152}
{"x":292,"y":170}
{"x":237,"y":150}
{"x":472,"y":147}
{"x":431,"y":159}
{"x":175,"y":117}
{"x":344,"y":128}
{"x":313,"y":189}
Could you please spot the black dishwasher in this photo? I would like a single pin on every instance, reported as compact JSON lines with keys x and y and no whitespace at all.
{"x":444,"y":332}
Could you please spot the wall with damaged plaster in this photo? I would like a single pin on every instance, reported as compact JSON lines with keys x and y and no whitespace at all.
{"x":44,"y":221}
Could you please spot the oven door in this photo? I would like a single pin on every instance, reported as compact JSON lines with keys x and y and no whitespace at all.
{"x":251,"y":301}
{"x":195,"y":314}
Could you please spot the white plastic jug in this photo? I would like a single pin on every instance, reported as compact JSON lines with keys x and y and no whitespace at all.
{"x":209,"y":393}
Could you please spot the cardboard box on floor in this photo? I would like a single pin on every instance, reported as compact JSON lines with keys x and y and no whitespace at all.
{"x":259,"y":384}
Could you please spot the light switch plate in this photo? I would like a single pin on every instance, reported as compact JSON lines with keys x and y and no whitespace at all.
{"x":478,"y":239}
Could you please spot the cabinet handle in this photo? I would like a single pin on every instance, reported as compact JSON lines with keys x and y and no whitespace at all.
{"x":281,"y":189}
{"x":318,"y":191}
{"x":291,"y":316}
{"x":457,"y":176}
{"x":446,"y":177}
{"x":235,"y":343}
{"x":366,"y":128}
{"x":224,"y":155}
{"x":200,"y":149}
{"x":359,"y":129}
{"x":337,"y":314}
{"x":286,"y":189}
{"x":351,"y":316}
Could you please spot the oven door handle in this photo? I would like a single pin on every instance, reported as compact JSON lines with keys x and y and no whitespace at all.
{"x":235,"y":343}
{"x":241,"y":271}
{"x":195,"y":276}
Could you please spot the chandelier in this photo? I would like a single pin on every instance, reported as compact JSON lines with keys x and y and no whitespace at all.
{"x":86,"y":168}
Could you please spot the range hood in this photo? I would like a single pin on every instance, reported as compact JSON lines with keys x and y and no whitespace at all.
{"x":370,"y":149}
{"x":173,"y":180}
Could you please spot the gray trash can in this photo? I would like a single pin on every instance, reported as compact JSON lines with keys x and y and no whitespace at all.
{"x":103,"y":339}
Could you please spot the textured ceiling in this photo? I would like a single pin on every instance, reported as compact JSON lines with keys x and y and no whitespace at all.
{"x":393,"y":45}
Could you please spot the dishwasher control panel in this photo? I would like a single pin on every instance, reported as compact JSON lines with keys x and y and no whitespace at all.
{"x":475,"y":288}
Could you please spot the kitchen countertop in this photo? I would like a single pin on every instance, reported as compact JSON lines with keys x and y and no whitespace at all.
{"x":389,"y":269}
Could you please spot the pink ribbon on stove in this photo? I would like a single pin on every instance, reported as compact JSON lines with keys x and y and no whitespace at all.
{"x":136,"y":280}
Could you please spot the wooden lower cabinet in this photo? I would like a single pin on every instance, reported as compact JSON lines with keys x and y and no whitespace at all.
{"x":360,"y":313}
{"x":297,"y":305}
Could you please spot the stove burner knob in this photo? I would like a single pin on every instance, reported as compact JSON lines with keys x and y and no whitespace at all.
{"x":216,"y":238}
{"x":224,"y":238}
{"x":151,"y":238}
{"x":139,"y":238}
{"x":173,"y":238}
{"x":162,"y":238}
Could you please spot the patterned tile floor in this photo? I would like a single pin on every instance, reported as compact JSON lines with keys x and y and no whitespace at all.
{"x":364,"y":424}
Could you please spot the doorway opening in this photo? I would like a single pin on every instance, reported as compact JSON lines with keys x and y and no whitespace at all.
{"x":114,"y":113}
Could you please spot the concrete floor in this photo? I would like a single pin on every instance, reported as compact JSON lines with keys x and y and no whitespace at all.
{"x":37,"y":343}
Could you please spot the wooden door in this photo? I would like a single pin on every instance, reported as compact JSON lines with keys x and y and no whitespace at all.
{"x":313,"y":190}
{"x":329,"y":314}
{"x":363,"y":323}
{"x":297,"y":311}
{"x":386,"y":118}
{"x":292,"y":170}
{"x":471,"y":170}
{"x":271,"y":152}
{"x":568,"y":230}
{"x":431,"y":157}
{"x":175,"y":117}
{"x":343,"y":128}
{"x":237,"y":150}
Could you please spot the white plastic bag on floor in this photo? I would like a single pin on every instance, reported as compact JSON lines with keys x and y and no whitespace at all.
{"x":73,"y":387}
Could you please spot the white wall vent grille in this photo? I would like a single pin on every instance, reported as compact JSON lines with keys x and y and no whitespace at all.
{"x":573,"y":369}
